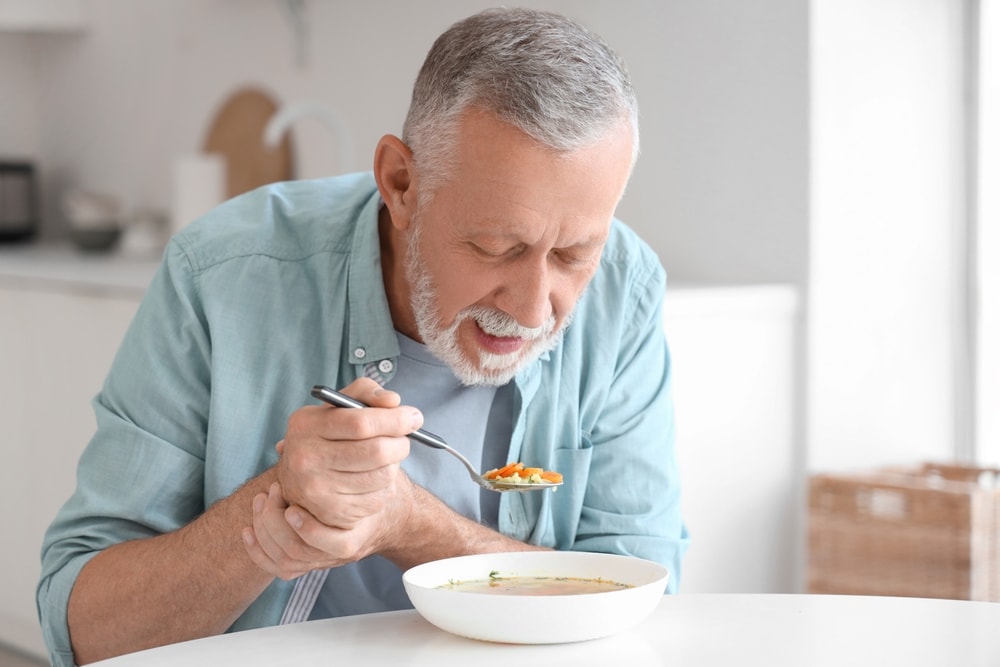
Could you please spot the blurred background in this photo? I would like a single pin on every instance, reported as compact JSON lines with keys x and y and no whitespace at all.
{"x":817,"y":176}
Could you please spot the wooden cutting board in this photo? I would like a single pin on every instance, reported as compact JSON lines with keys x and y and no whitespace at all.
{"x":237,"y":133}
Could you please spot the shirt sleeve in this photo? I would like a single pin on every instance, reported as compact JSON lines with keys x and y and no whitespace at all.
{"x":633,"y":495}
{"x":141,"y":474}
{"x":600,"y":411}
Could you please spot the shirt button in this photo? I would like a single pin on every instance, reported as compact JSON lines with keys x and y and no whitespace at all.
{"x":359,"y":353}
{"x":385,"y":366}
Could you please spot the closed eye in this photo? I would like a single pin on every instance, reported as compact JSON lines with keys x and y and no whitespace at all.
{"x":497,"y":252}
{"x":575,"y":256}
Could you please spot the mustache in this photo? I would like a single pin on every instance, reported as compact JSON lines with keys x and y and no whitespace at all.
{"x":503,"y":325}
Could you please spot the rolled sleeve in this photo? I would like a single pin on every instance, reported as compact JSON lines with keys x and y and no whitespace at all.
{"x":142,"y":473}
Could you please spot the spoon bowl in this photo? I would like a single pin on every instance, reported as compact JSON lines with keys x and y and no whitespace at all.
{"x":337,"y":399}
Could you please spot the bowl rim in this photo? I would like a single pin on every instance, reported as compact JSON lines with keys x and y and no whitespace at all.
{"x":652,"y":573}
{"x":535,"y":619}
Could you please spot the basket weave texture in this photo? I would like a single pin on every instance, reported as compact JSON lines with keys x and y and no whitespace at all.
{"x":931,"y":530}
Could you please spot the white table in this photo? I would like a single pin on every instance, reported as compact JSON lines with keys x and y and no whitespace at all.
{"x":685,"y":630}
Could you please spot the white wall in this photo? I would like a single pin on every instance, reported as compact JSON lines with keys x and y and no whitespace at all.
{"x":988,"y":214}
{"x":886,"y":214}
{"x":720,"y":190}
{"x":18,"y":111}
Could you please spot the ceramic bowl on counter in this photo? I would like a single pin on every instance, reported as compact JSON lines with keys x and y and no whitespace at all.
{"x":95,"y":240}
{"x":94,"y":220}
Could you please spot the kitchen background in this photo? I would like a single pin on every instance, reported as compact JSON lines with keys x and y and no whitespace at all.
{"x":808,"y":177}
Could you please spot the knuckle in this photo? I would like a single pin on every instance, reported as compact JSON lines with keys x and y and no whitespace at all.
{"x":295,"y":554}
{"x":301,"y":462}
{"x":369,"y":424}
{"x":386,"y":452}
{"x":296,"y":422}
{"x":313,"y":488}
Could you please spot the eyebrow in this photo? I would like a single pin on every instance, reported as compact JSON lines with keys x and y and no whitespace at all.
{"x":500,"y":232}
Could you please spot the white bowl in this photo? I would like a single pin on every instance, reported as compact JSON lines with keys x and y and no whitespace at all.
{"x":536,"y":619}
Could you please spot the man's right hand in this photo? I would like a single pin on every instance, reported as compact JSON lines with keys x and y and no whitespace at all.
{"x":341,"y":491}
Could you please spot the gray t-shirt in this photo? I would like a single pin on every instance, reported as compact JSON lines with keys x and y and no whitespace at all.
{"x":476,"y":421}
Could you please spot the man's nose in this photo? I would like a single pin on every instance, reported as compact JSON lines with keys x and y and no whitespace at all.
{"x":526,"y":294}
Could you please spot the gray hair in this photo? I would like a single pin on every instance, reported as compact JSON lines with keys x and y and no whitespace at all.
{"x":544,"y":74}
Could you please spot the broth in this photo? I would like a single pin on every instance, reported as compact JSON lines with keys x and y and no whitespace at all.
{"x":535,"y":585}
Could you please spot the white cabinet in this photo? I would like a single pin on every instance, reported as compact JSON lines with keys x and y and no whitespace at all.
{"x":735,"y":353}
{"x":57,"y":339}
{"x":42,"y":15}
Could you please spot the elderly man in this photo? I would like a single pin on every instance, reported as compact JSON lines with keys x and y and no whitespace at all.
{"x":440,"y":286}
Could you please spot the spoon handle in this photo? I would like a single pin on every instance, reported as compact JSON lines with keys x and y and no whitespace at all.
{"x":335,"y":398}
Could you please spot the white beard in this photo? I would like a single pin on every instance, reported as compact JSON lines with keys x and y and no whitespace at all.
{"x":486,"y":368}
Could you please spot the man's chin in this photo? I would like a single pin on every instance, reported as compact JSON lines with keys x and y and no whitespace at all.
{"x":485,"y":377}
{"x":479,"y":367}
{"x":497,"y":370}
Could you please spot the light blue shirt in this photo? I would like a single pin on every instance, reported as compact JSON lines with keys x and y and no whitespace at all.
{"x":456,"y":413}
{"x":281,"y":289}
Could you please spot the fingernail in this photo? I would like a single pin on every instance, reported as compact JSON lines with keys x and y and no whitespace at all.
{"x":258,"y":503}
{"x":248,"y":537}
{"x":294,"y":518}
{"x":418,"y":420}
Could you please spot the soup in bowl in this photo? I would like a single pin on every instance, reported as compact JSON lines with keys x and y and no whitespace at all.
{"x":536,"y":597}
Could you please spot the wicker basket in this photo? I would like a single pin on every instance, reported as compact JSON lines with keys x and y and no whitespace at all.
{"x":930,"y":531}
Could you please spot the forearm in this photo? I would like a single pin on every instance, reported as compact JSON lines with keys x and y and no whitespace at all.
{"x":434,"y":531}
{"x":191,"y":583}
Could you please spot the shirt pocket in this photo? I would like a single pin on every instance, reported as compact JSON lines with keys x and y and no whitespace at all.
{"x":561,"y":511}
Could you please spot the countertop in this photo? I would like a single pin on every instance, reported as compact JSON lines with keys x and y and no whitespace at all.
{"x":64,"y":267}
{"x":61,"y":266}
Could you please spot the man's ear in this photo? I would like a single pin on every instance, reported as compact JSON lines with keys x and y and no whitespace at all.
{"x":396,"y":180}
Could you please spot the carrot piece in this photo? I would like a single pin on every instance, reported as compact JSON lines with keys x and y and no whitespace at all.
{"x":518,"y":467}
{"x":527,"y":472}
{"x":552,"y":476}
{"x":505,"y":471}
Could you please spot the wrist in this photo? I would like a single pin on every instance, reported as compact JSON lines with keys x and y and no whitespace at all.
{"x":400,"y":528}
{"x":423,"y":527}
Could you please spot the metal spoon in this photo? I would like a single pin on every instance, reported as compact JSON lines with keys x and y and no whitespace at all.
{"x":337,"y":399}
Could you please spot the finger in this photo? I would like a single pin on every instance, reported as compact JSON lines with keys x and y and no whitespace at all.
{"x":325,"y":422}
{"x":345,"y":511}
{"x":252,"y":544}
{"x":343,"y":439}
{"x":267,"y":543}
{"x":341,"y":544}
{"x":340,"y":498}
{"x":368,"y":423}
{"x":374,"y":395}
{"x":257,"y":554}
{"x":284,"y":550}
{"x":371,"y":393}
{"x":329,"y":468}
{"x":354,"y":478}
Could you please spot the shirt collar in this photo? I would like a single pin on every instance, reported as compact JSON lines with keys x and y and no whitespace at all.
{"x":371,"y":337}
